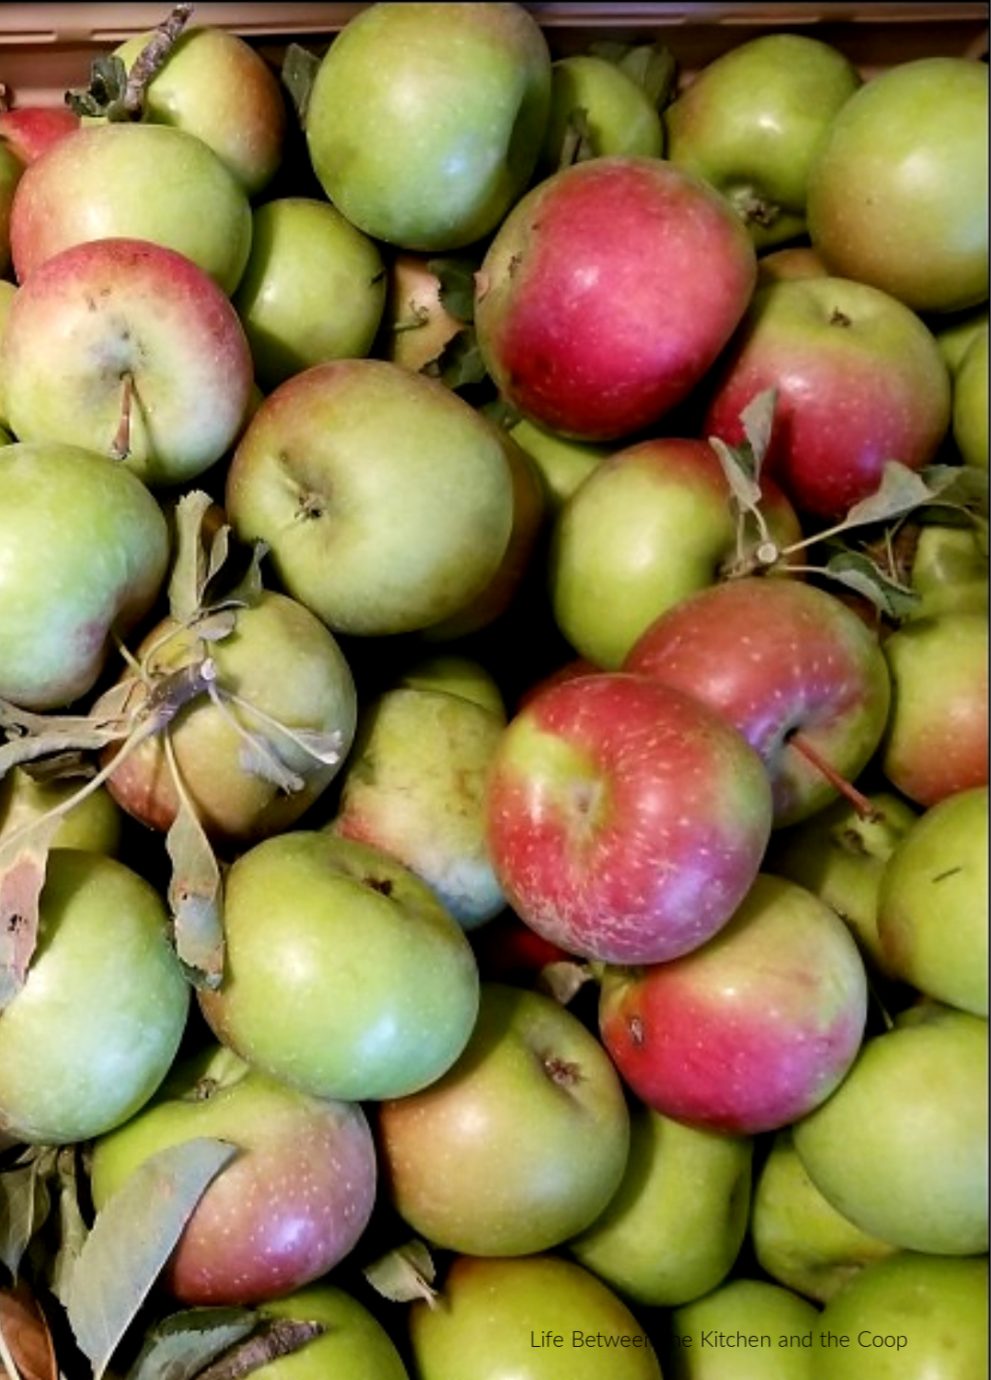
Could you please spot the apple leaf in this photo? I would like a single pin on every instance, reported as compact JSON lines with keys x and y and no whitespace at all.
{"x":576,"y":146}
{"x":189,"y":572}
{"x":23,"y":864}
{"x":277,"y":1337}
{"x":460,"y":362}
{"x":404,"y":1274}
{"x":24,"y":1206}
{"x":737,"y":466}
{"x":299,"y":71}
{"x":859,"y":573}
{"x":30,"y":736}
{"x":73,"y":1230}
{"x":899,"y":491}
{"x":457,"y":286}
{"x":132,"y":1238}
{"x":219,"y":551}
{"x":563,"y":980}
{"x":178,"y":1347}
{"x":105,"y":96}
{"x":651,"y":65}
{"x":64,"y":766}
{"x":194,"y":892}
{"x":757,"y":420}
{"x":249,"y":589}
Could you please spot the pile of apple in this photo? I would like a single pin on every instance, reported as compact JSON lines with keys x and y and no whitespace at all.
{"x":493,"y":690}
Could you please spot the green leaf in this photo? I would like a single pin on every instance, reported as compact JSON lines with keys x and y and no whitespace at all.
{"x":460,"y":362}
{"x":737,"y":466}
{"x":404,"y":1274}
{"x":457,"y":286}
{"x":899,"y":491}
{"x":178,"y":1347}
{"x":24,"y":1206}
{"x":194,"y":892}
{"x":963,"y":486}
{"x":73,"y":1230}
{"x":299,"y":72}
{"x":189,"y":572}
{"x":757,"y":420}
{"x":563,"y":980}
{"x":249,"y":589}
{"x":653,"y":67}
{"x":131,"y":1241}
{"x":859,"y":573}
{"x":105,"y":95}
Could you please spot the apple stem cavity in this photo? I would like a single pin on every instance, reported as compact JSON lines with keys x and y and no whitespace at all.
{"x":120,"y":446}
{"x":864,"y":808}
{"x":560,"y":1071}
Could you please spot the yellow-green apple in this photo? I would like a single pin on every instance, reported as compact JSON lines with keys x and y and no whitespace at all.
{"x":132,"y":181}
{"x":11,"y":168}
{"x":937,"y":736}
{"x":540,"y":1318}
{"x":912,"y":1317}
{"x":753,"y":1029}
{"x":86,"y":548}
{"x":859,"y":381}
{"x":94,"y":824}
{"x":94,"y":1030}
{"x":653,"y":524}
{"x":751,"y":122}
{"x":678,"y":1219}
{"x":899,"y":187}
{"x":970,"y":403}
{"x":352,"y":1346}
{"x":155,"y":369}
{"x":933,"y":903}
{"x":626,"y":820}
{"x":425,"y":120}
{"x":282,"y":665}
{"x":416,"y":323}
{"x":217,"y":87}
{"x":618,"y":117}
{"x":745,"y":1330}
{"x":28,"y":131}
{"x":840,"y":856}
{"x":790,"y":667}
{"x":901,"y":1146}
{"x":398,"y":476}
{"x":562,"y":462}
{"x":798,"y":1236}
{"x":291,"y":1204}
{"x":949,"y":571}
{"x":608,"y":292}
{"x":797,"y":261}
{"x":520,"y":1145}
{"x":345,"y":975}
{"x":455,"y":675}
{"x":955,"y":338}
{"x":313,"y":289}
{"x":415,"y":786}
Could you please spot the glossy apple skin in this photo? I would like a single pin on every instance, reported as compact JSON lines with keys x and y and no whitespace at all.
{"x":345,"y":976}
{"x":94,"y":824}
{"x":86,"y":550}
{"x":425,"y":120}
{"x":773,"y":657}
{"x":937,"y":737}
{"x":901,"y":1147}
{"x":956,"y":337}
{"x":563,"y":463}
{"x":94,"y":1029}
{"x":31,"y":130}
{"x":520,"y":1145}
{"x":291,"y":1204}
{"x":626,"y":821}
{"x":620,"y":117}
{"x":750,"y":1031}
{"x":353,"y":1346}
{"x":797,"y":261}
{"x":653,"y":524}
{"x":860,"y":380}
{"x":132,"y":181}
{"x":949,"y":572}
{"x":933,"y":903}
{"x":751,"y":1307}
{"x":455,"y":675}
{"x":114,"y":308}
{"x":898,"y":191}
{"x":970,"y":403}
{"x":607,"y":294}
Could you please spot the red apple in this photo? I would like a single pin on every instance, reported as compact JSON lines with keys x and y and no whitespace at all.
{"x":608,"y":292}
{"x":31,"y":130}
{"x":626,"y":821}
{"x":506,"y":950}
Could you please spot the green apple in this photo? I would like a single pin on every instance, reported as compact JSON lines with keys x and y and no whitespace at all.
{"x":93,"y":825}
{"x":949,"y":572}
{"x":676,"y":1224}
{"x":913,"y":1317}
{"x":425,"y":120}
{"x":536,"y":1319}
{"x":313,"y":289}
{"x":345,"y":975}
{"x":455,"y":675}
{"x":521,"y":1144}
{"x":901,"y":1147}
{"x":955,"y":339}
{"x":619,"y":116}
{"x":563,"y":463}
{"x":840,"y":857}
{"x":352,"y":1346}
{"x":970,"y":403}
{"x":933,"y":904}
{"x":94,"y":1029}
{"x":11,"y":168}
{"x":751,"y":122}
{"x":798,"y":1236}
{"x":898,"y":191}
{"x":745,"y":1330}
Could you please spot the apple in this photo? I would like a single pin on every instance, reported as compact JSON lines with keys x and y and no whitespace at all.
{"x":859,"y":381}
{"x":901,"y":1146}
{"x":933,"y":904}
{"x":281,"y":662}
{"x":510,"y":952}
{"x":899,"y":187}
{"x":970,"y":403}
{"x":607,"y":293}
{"x":153,"y":366}
{"x":455,"y":675}
{"x":798,"y":1236}
{"x":753,"y":1029}
{"x":352,"y":1346}
{"x":345,"y":977}
{"x":94,"y":1029}
{"x":912,"y":1317}
{"x":30,"y":130}
{"x":562,"y":462}
{"x":571,"y":670}
{"x":416,"y":324}
{"x":425,"y":120}
{"x":653,"y":524}
{"x":618,"y":115}
{"x":626,"y":821}
{"x":94,"y":824}
{"x":86,"y":548}
{"x":949,"y":572}
{"x":797,"y":261}
{"x":520,"y":1145}
{"x":535,"y":1319}
{"x":11,"y":168}
{"x":787,"y":665}
{"x":291,"y":1204}
{"x":406,"y":483}
{"x":415,"y":786}
{"x":215,"y":86}
{"x":313,"y":289}
{"x":751,"y":122}
{"x":132,"y":181}
{"x":745,"y":1330}
{"x":937,"y":736}
{"x":840,"y":857}
{"x":678,"y":1219}
{"x":955,"y":338}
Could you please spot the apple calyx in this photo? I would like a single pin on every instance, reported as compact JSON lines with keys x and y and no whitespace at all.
{"x":117,"y":95}
{"x":562,"y":1072}
{"x":752,"y":208}
{"x":404,"y":1274}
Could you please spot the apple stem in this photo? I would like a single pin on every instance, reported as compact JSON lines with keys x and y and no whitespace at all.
{"x":120,"y":446}
{"x":153,"y":57}
{"x":865,"y":810}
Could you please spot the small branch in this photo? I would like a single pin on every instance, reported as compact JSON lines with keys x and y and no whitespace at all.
{"x":865,"y":810}
{"x":153,"y":58}
{"x":281,"y":1337}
